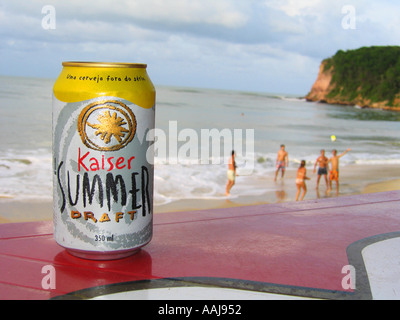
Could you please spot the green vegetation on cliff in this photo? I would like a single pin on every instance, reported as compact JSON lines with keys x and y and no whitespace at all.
{"x":368,"y":73}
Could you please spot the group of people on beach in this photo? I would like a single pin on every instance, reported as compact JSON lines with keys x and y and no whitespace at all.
{"x":282,"y":161}
{"x":323,"y":167}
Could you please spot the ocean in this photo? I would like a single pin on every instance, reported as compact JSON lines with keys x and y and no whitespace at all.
{"x":196,"y":131}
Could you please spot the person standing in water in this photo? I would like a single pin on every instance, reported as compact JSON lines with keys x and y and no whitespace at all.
{"x":300,"y":180}
{"x":282,"y":161}
{"x":322,"y":162}
{"x":231,"y":173}
{"x":334,"y":172}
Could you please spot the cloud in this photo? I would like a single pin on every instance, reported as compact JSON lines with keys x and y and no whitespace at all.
{"x":157,"y":14}
{"x":293,"y":8}
{"x":195,"y":42}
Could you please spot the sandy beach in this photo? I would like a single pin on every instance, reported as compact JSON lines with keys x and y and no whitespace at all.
{"x":258,"y":122}
{"x":354,"y":179}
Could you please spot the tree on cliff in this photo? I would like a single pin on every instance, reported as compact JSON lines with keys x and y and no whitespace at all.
{"x":365,"y":76}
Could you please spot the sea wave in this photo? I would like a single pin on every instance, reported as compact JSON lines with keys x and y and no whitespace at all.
{"x":26,"y":176}
{"x":29,"y":176}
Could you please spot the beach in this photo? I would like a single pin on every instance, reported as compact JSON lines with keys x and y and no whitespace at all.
{"x":353,"y":180}
{"x":200,"y":127}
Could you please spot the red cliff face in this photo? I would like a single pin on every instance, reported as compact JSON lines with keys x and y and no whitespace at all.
{"x":323,"y":86}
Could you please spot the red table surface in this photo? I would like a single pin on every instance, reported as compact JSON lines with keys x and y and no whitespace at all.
{"x":296,"y":248}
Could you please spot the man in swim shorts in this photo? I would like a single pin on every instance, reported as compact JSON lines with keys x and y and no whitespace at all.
{"x":282,"y":161}
{"x":322,"y":162}
{"x":334,"y":173}
{"x":231,"y":173}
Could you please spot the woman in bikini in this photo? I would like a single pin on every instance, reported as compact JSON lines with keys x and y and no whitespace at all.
{"x":231,"y":173}
{"x":300,"y":180}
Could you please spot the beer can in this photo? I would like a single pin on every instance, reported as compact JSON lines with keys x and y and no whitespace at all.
{"x":102,"y":161}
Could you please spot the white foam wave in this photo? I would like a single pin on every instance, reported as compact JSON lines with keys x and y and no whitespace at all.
{"x":29,"y":175}
{"x":26,"y":176}
{"x":195,"y":181}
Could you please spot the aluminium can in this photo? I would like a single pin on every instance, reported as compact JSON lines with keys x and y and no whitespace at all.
{"x":102,"y":161}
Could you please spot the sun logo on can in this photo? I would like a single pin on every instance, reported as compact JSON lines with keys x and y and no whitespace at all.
{"x":106,"y":125}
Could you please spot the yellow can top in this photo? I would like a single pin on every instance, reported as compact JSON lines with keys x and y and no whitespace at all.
{"x":103,"y":64}
{"x":79,"y":81}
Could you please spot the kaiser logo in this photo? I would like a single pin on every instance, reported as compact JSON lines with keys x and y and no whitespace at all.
{"x":106,"y":125}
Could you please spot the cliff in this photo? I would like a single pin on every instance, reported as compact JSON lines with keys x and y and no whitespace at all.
{"x":367,"y":77}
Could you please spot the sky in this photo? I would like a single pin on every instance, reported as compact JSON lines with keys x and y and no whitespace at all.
{"x":272,"y":46}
